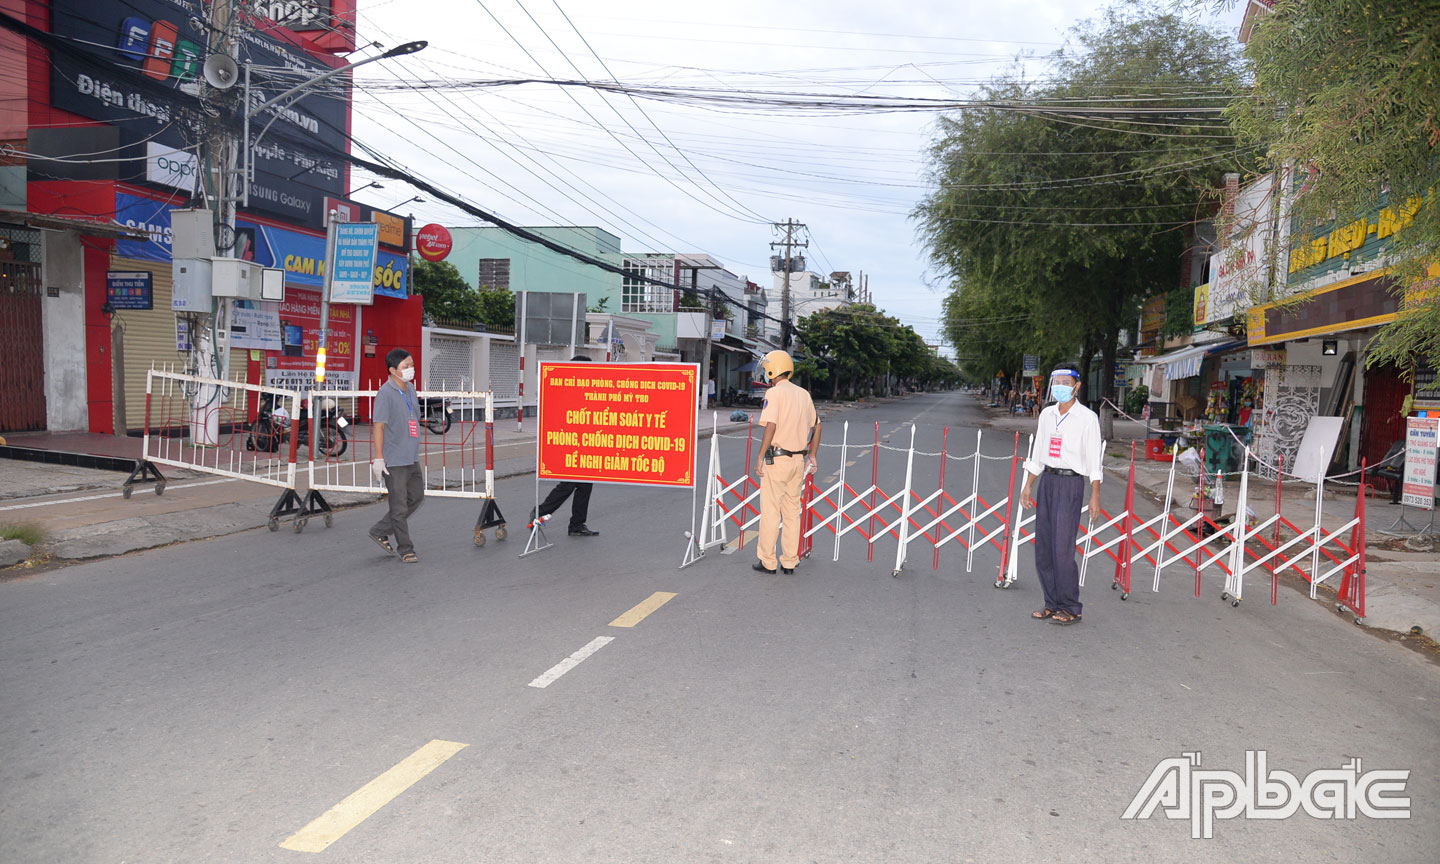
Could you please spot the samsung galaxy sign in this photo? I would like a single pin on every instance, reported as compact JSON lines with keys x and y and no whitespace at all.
{"x":170,"y":167}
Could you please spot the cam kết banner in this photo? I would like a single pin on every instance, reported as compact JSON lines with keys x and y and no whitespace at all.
{"x":618,"y":423}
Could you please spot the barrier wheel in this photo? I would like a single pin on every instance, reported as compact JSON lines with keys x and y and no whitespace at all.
{"x":501,"y":533}
{"x":329,"y":520}
{"x":273,"y":524}
{"x":300,"y":524}
{"x":1125,"y":595}
{"x":1235,"y":602}
{"x":125,"y":493}
{"x":1360,"y":621}
{"x":479,"y":537}
{"x":1114,"y":586}
{"x":1224,"y":595}
{"x":159,"y":488}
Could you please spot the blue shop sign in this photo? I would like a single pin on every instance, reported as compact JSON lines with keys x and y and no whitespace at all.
{"x":129,"y":290}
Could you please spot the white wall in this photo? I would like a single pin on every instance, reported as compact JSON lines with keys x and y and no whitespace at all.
{"x":63,"y":320}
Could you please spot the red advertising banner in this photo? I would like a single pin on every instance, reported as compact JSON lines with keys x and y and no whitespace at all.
{"x":294,"y":364}
{"x":618,"y":422}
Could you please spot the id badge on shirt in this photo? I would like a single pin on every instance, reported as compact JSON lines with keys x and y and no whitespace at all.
{"x":1054,"y":446}
{"x":414,"y":428}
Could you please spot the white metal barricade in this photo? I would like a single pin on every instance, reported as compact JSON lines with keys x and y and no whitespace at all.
{"x":457,"y":447}
{"x":216,"y":426}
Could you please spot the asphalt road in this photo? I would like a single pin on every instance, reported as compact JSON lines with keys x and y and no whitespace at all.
{"x":209,"y":701}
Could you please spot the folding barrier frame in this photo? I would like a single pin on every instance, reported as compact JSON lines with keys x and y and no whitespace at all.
{"x":1167,"y":538}
{"x":464,"y":446}
{"x":248,"y":435}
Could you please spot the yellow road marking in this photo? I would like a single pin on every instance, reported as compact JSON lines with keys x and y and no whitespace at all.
{"x":363,"y":802}
{"x":643,"y":608}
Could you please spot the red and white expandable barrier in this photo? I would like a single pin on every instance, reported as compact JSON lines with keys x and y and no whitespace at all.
{"x":1173,"y":536}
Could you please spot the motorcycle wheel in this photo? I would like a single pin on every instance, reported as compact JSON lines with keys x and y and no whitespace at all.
{"x":332,"y":443}
{"x":439,"y":425}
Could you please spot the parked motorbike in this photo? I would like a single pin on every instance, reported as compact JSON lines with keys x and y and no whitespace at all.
{"x":435,"y":414}
{"x":272,"y":428}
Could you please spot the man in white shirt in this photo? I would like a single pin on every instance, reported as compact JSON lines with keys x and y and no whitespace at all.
{"x":1067,"y":452}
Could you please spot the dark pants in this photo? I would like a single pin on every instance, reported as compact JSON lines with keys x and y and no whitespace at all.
{"x":406,"y":485}
{"x":1057,"y":524}
{"x":579,"y":508}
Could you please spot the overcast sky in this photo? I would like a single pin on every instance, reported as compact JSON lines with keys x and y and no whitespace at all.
{"x":537,"y":156}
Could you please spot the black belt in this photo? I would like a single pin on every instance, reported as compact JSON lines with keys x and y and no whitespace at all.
{"x":1063,"y":472}
{"x":781,"y":451}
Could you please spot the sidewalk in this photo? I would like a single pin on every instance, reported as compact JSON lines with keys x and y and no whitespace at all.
{"x":83,"y":514}
{"x":1402,"y":586}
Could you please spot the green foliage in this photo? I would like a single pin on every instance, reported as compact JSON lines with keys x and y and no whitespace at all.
{"x":860,"y":343}
{"x":445,"y":293}
{"x":1179,"y":313}
{"x":1349,"y":93}
{"x":448,"y":297}
{"x":598,"y":305}
{"x":1135,"y":400}
{"x":1045,"y":252}
{"x":26,"y":532}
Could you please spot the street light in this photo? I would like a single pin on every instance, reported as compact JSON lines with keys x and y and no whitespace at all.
{"x":398,"y":51}
{"x":371,"y":185}
{"x":416,"y":199}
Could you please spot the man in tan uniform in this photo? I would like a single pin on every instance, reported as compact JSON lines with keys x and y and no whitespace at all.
{"x":787,"y":455}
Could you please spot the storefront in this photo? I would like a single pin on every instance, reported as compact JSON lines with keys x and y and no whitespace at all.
{"x":1320,"y":369}
{"x":128,"y":290}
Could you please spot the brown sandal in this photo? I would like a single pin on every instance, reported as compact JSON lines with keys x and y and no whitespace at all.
{"x":1040,"y":614}
{"x":1063,"y":617}
{"x":384,"y":543}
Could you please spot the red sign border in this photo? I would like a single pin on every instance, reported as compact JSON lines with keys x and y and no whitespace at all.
{"x":693,"y":436}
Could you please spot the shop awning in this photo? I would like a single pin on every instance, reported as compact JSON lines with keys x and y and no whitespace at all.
{"x":64,"y":223}
{"x":1186,"y":362}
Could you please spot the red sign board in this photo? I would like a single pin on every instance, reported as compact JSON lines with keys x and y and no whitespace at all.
{"x":618,"y":422}
{"x":433,"y":242}
{"x":294,"y":364}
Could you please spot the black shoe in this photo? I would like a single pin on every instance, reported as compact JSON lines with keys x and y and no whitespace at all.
{"x":788,"y":571}
{"x":583,"y":531}
{"x":761,"y":568}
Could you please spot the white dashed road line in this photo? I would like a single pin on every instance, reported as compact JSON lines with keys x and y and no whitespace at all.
{"x":571,"y":662}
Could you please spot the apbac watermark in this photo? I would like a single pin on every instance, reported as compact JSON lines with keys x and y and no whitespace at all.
{"x":1183,"y":790}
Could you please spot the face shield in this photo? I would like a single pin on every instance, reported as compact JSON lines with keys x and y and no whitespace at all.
{"x":1064,"y":383}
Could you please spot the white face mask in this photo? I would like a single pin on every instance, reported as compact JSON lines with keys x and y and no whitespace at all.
{"x":408,"y":374}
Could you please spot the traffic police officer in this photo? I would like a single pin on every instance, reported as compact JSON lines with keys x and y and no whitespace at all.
{"x":1067,"y":452}
{"x":787,"y":455}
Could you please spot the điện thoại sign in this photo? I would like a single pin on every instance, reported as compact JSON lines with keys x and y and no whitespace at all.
{"x":618,"y":423}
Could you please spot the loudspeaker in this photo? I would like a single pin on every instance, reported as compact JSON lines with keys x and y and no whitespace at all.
{"x":220,"y":71}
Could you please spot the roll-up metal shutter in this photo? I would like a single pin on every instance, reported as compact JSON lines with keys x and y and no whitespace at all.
{"x":150,"y":339}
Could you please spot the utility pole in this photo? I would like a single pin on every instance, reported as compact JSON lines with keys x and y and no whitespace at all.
{"x":212,"y":344}
{"x":790,"y":226}
{"x":709,"y":338}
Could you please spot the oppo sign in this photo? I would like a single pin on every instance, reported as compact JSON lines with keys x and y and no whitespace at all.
{"x":170,"y":167}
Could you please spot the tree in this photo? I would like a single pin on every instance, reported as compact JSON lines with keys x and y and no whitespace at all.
{"x":1053,"y":215}
{"x":1349,"y":94}
{"x":445,"y":293}
{"x":497,"y":308}
{"x":448,"y":297}
{"x":857,"y":343}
